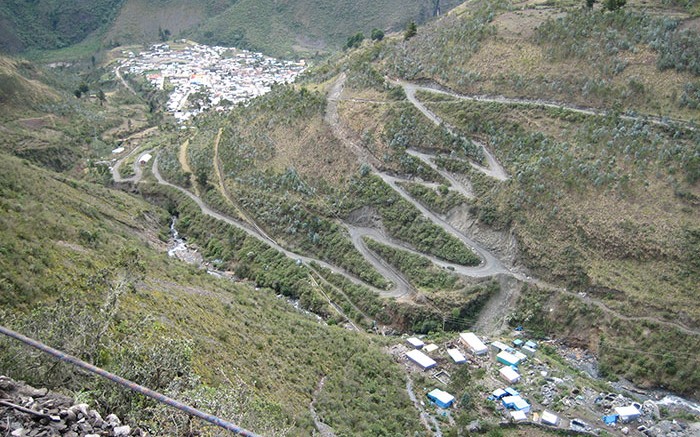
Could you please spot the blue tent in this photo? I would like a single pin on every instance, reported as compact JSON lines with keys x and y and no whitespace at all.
{"x":611,"y":419}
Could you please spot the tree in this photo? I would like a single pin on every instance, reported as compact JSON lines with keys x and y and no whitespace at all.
{"x":78,"y":94}
{"x":411,"y":31}
{"x":163,"y":34}
{"x":589,"y":3}
{"x":614,"y":5}
{"x":377,"y":34}
{"x":355,"y":40}
{"x":202,"y":179}
{"x":101,"y":97}
{"x":83,"y":88}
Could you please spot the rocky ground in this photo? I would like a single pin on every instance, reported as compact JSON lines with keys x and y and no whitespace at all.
{"x":31,"y":412}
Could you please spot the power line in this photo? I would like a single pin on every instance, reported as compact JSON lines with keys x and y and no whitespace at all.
{"x":128,"y":384}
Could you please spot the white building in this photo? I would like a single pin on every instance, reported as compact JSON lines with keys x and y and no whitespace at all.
{"x":549,"y":418}
{"x":499,"y":346}
{"x":415,"y":342}
{"x":509,"y":375}
{"x":456,"y":356}
{"x":473,"y":343}
{"x":432,"y":347}
{"x":518,"y":416}
{"x":628,"y":414}
{"x":423,"y":361}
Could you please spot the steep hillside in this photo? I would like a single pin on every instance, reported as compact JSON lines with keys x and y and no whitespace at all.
{"x":46,"y":119}
{"x":95,"y":281}
{"x":592,"y":189}
{"x":627,"y":60}
{"x":19,"y":89}
{"x":312,"y":26}
{"x":52,"y":24}
{"x":290,"y":29}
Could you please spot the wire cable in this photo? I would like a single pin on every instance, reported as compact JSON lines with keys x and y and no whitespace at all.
{"x":128,"y":384}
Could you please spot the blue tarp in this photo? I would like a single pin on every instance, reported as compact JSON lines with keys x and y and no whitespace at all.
{"x":512,"y":392}
{"x":611,"y":419}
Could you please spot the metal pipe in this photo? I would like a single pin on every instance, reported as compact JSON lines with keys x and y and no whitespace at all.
{"x":128,"y":384}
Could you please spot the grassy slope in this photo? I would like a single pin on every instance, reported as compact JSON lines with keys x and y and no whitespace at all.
{"x":569,"y":54}
{"x":602,"y":205}
{"x":41,"y":120}
{"x":271,"y":351}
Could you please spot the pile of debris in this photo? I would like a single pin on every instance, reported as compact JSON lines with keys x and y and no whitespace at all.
{"x":27,"y":411}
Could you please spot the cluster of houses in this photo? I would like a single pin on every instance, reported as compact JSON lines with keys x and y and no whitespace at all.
{"x":508,"y":358}
{"x":209,"y":77}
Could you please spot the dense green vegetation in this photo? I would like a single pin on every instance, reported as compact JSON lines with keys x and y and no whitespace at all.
{"x":91,"y":281}
{"x":440,"y":200}
{"x":52,"y":24}
{"x":309,"y":26}
{"x":302,"y":28}
{"x":637,"y":350}
{"x":408,"y":128}
{"x":417,"y":268}
{"x":604,"y":39}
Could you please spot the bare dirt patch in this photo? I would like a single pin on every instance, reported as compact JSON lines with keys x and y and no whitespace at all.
{"x":522,"y":24}
{"x":38,"y":122}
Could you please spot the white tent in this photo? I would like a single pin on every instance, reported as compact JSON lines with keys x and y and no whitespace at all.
{"x":472,"y":341}
{"x":549,"y":418}
{"x":627,"y":414}
{"x":430,"y":347}
{"x":509,"y":375}
{"x":457,"y":356}
{"x":418,"y":357}
{"x":518,"y":416}
{"x":415,"y":342}
{"x":499,"y":346}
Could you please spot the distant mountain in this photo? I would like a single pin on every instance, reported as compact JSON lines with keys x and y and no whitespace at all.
{"x":52,"y":24}
{"x":276,"y":27}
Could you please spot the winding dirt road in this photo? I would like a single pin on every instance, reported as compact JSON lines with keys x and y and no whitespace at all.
{"x":493,"y":169}
{"x":490,"y":265}
{"x":253,"y":232}
{"x":138,"y":171}
{"x":659,"y":121}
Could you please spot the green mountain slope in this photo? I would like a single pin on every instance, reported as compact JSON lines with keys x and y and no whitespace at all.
{"x":286,"y":28}
{"x":52,"y":24}
{"x":94,"y":280}
{"x":603,"y":202}
{"x":299,"y":28}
